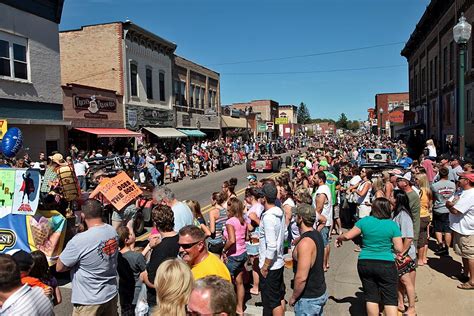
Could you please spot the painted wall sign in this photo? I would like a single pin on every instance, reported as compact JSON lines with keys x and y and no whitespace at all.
{"x":94,"y":104}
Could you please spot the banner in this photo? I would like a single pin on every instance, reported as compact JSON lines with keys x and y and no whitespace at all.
{"x":19,"y":191}
{"x":44,"y":231}
{"x":3,"y":127}
{"x":281,"y":120}
{"x":120,"y":190}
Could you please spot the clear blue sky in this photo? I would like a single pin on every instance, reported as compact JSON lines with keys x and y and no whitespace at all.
{"x":215,"y":32}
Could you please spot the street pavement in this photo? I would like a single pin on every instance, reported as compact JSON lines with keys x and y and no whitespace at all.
{"x":437,"y":292}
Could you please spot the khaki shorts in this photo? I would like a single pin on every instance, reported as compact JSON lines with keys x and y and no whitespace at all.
{"x":109,"y":308}
{"x":463,"y":245}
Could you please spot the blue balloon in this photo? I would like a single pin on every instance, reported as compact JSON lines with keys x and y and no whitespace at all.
{"x":12,"y":142}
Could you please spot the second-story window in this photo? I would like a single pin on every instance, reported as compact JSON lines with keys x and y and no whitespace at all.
{"x":133,"y":80}
{"x":13,"y":57}
{"x":149,"y":84}
{"x":162,"y":86}
{"x":191,"y":96}
{"x":203,"y":92}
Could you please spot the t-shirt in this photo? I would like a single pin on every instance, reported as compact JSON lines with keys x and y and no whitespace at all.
{"x":414,"y":201}
{"x":405,"y":223}
{"x":80,"y":168}
{"x":29,"y":301}
{"x":331,"y":182}
{"x":457,"y":170}
{"x":182,"y":216}
{"x":257,"y":208}
{"x":166,"y":249}
{"x":424,"y":203}
{"x":442,"y":190}
{"x":327,"y":208}
{"x":129,"y":267}
{"x":92,"y":257}
{"x":212,"y":265}
{"x":377,"y":237}
{"x":240,"y":232}
{"x":463,"y":223}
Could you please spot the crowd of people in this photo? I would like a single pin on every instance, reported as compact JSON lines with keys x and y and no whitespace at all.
{"x":194,"y":266}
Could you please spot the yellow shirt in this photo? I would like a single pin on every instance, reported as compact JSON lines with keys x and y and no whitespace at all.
{"x":212,"y":265}
{"x":424,"y":204}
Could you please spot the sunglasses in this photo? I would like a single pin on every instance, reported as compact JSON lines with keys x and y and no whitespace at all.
{"x":187,"y":246}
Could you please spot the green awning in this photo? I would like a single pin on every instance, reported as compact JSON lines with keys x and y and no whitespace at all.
{"x":192,"y":132}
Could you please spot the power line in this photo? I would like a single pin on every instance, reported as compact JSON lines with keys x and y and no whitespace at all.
{"x":310,"y":71}
{"x":307,"y":55}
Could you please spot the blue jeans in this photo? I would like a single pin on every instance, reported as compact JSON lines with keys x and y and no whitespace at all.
{"x":82,"y":183}
{"x":311,"y":306}
{"x":155,"y":175}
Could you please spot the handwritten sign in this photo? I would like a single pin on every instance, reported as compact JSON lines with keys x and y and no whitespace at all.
{"x":120,"y":190}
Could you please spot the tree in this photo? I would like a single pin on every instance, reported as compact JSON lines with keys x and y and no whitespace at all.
{"x":342,"y":122}
{"x":303,"y":114}
{"x":353,"y":125}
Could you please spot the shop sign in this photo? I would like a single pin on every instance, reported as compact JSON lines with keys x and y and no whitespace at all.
{"x":94,"y":104}
{"x":132,"y":118}
{"x":96,"y":116}
{"x":3,"y":127}
{"x":235,"y":113}
{"x":261,"y":127}
{"x":281,"y":120}
{"x":396,"y":117}
{"x":210,"y":112}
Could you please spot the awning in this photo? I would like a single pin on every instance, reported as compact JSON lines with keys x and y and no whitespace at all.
{"x":109,"y":132}
{"x":165,"y":132}
{"x":419,"y":126}
{"x":232,"y":122}
{"x":192,"y":132}
{"x":20,"y":121}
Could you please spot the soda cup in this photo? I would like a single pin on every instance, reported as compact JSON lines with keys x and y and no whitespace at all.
{"x":288,"y":259}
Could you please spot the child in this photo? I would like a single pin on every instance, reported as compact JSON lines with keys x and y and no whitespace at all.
{"x":42,"y":272}
{"x":129,"y":266}
{"x":199,"y":220}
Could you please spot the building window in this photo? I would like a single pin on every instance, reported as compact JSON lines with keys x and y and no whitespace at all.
{"x":447,"y":110}
{"x":191,"y":96}
{"x":209,"y":98}
{"x":431,"y":75}
{"x":452,"y":59}
{"x":182,"y":93}
{"x":162,"y":86}
{"x":176,"y":92}
{"x":149,"y":84}
{"x":433,"y":113}
{"x":423,"y":81}
{"x":416,"y":87}
{"x":436,"y":72}
{"x":198,"y":96}
{"x":203,"y":92}
{"x":13,"y":57}
{"x":133,"y":80}
{"x":445,"y":65}
{"x":469,"y":108}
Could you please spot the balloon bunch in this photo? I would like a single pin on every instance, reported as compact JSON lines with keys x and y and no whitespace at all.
{"x":12,"y":142}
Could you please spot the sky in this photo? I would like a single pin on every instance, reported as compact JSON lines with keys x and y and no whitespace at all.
{"x":333,"y":55}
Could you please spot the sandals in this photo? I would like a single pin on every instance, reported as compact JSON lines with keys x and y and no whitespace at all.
{"x":466,"y":286}
{"x":254,"y":293}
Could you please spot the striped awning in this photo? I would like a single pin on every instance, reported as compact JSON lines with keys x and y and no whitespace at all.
{"x":192,"y":132}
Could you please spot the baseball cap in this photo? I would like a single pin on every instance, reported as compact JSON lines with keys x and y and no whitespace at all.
{"x":467,"y":175}
{"x":306,"y":212}
{"x":23,"y":259}
{"x":396,"y":172}
{"x":406,"y":176}
{"x":251,"y":177}
{"x":269,"y":191}
{"x":323,"y":163}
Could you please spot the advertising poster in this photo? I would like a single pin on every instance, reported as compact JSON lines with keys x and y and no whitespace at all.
{"x":7,"y":187}
{"x":26,"y":193}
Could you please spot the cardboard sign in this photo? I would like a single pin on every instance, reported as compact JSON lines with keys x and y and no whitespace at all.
{"x":120,"y":190}
{"x":3,"y":128}
{"x":19,"y":191}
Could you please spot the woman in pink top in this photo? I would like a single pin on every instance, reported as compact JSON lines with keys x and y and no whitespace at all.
{"x":235,"y":250}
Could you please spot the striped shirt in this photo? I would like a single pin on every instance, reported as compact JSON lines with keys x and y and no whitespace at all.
{"x":29,"y":301}
{"x":220,"y":222}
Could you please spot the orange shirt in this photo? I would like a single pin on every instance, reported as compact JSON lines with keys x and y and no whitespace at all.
{"x":31,"y":281}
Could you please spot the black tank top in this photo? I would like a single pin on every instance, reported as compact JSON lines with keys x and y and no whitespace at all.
{"x":315,"y":283}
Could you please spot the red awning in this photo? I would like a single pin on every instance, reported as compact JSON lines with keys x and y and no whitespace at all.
{"x":109,"y":132}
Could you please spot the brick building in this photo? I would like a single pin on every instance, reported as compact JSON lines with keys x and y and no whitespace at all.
{"x":266,"y":112}
{"x":290,"y":114}
{"x":30,"y":89}
{"x":127,"y":59}
{"x":196,"y":98}
{"x":390,"y":112}
{"x":433,"y":65}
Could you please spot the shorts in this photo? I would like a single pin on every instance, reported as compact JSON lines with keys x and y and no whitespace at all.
{"x":441,"y":223}
{"x":108,"y":308}
{"x":311,"y":306}
{"x":272,"y":290}
{"x":423,"y":237}
{"x":235,"y":264}
{"x":336,"y":209}
{"x":463,"y":245}
{"x":325,"y":234}
{"x":216,"y":248}
{"x":127,"y":214}
{"x":379,"y":280}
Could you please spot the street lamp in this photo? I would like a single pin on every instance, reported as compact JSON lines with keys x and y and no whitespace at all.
{"x":461,"y":34}
{"x":248,"y":110}
{"x":380,"y":119}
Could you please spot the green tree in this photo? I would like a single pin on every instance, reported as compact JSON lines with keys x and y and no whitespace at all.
{"x":342,"y":122}
{"x":353,"y":125}
{"x":303,"y":114}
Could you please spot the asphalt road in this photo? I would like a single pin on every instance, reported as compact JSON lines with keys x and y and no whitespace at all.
{"x":436,"y":291}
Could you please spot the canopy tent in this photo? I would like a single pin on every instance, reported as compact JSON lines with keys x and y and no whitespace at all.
{"x":165,"y":132}
{"x":192,"y":132}
{"x":109,"y":132}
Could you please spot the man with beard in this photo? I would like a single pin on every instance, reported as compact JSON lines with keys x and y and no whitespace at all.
{"x":193,"y":250}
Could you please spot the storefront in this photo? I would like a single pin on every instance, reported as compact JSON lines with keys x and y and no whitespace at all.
{"x":194,"y":123}
{"x":233,"y":127}
{"x":97,"y":120}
